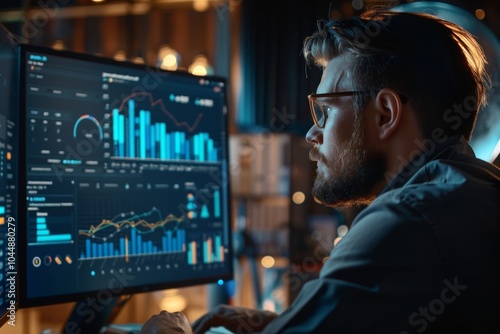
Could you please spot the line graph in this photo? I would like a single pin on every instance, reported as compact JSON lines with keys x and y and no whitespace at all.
{"x":133,"y":220}
{"x":129,"y":234}
{"x":161,"y":104}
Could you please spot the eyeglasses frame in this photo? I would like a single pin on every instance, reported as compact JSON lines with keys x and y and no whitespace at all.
{"x":312,"y":98}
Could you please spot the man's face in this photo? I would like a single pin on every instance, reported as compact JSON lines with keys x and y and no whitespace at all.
{"x":347,"y":169}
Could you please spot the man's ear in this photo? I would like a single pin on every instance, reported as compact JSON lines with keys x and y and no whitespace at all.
{"x":389,"y":112}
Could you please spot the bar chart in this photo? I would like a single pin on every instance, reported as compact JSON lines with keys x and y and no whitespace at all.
{"x":209,"y":250}
{"x":44,"y":234}
{"x":136,"y":135}
{"x":48,"y":221}
{"x":133,"y":235}
{"x":136,"y":244}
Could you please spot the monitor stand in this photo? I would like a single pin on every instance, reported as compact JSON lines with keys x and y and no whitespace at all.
{"x":93,"y":314}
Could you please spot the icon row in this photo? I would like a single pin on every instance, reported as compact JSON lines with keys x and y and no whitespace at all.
{"x":48,"y":260}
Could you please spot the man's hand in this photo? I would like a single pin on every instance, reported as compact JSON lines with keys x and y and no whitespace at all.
{"x":235,"y":319}
{"x":167,"y":323}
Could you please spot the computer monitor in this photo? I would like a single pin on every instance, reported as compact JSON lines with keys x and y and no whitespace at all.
{"x":124,"y":185}
{"x":8,"y":178}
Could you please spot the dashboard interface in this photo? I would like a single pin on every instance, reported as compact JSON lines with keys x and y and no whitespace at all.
{"x":126,"y":177}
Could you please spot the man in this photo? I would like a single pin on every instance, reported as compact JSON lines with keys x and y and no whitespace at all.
{"x":393,"y":115}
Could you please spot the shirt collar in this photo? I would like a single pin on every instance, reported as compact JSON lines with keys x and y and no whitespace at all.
{"x":430,"y":151}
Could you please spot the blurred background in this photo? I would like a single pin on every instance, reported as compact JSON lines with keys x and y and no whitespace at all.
{"x":284,"y":235}
{"x":256,"y":46}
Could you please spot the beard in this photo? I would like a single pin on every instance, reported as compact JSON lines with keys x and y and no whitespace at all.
{"x":352,"y":180}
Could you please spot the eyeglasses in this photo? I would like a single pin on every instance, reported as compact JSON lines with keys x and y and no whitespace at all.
{"x":319,"y":111}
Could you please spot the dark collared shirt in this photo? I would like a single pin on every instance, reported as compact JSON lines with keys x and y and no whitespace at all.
{"x":424,"y":257}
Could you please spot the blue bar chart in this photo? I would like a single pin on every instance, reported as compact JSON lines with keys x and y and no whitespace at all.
{"x":135,"y":135}
{"x":131,"y":234}
{"x":44,"y":235}
{"x":48,"y":225}
{"x":135,"y":244}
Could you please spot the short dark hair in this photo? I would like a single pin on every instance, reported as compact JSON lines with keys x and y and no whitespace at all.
{"x":437,"y":64}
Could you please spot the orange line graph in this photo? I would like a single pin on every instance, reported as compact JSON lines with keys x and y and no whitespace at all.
{"x":118,"y":225}
{"x":159,"y":102}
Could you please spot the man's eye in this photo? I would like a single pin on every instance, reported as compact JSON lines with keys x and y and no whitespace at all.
{"x":322,"y":106}
{"x":326,"y":108}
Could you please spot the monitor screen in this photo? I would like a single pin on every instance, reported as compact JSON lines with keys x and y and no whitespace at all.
{"x":125,"y":179}
{"x":8,"y":178}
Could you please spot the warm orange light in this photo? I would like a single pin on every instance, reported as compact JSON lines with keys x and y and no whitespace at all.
{"x":120,"y":55}
{"x":336,"y":241}
{"x":480,"y":13}
{"x":168,"y":58}
{"x":267,"y":261}
{"x":200,"y":66}
{"x":200,"y":5}
{"x":298,"y":197}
